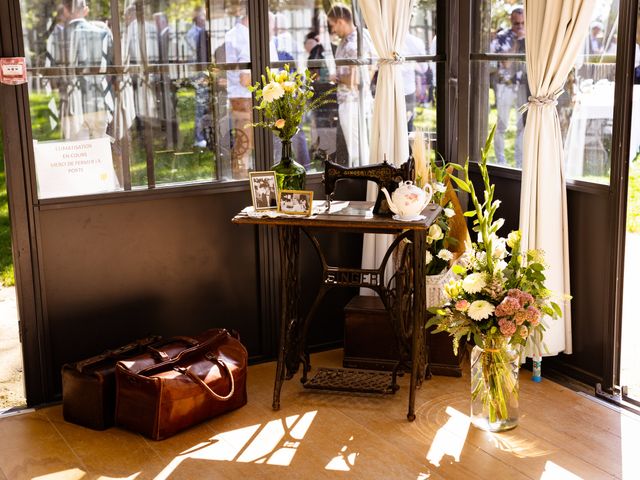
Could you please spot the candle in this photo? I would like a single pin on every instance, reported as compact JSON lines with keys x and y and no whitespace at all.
{"x":419,"y":157}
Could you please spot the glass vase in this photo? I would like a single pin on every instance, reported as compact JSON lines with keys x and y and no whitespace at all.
{"x":290,"y":175}
{"x":494,"y":385}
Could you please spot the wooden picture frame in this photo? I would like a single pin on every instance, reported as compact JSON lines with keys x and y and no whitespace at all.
{"x":264,"y":190}
{"x":295,"y":202}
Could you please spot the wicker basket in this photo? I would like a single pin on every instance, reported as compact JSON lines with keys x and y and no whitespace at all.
{"x":435,"y":284}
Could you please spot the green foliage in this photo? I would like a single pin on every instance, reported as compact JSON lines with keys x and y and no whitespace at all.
{"x":284,"y":98}
{"x":500,"y":290}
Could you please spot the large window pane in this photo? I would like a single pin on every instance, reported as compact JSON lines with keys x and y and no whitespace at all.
{"x":500,"y":86}
{"x":160,"y":84}
{"x":305,"y":36}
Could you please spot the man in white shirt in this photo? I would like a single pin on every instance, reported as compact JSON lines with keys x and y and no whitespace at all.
{"x":340,"y":22}
{"x":237,"y":50}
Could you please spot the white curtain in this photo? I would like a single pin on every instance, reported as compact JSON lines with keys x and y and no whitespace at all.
{"x":555,"y":35}
{"x":388,"y":23}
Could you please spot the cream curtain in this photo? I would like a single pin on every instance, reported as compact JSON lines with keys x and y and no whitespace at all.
{"x":555,"y":35}
{"x":388,"y":23}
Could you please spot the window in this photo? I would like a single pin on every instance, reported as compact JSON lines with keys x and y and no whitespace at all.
{"x":499,"y":88}
{"x":337,"y":47}
{"x":156,"y":96}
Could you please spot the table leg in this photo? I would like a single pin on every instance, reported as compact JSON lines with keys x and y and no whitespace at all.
{"x":418,"y":356}
{"x":289,"y":245}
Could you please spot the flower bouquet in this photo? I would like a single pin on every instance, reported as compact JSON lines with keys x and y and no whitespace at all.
{"x":284,"y":98}
{"x":499,"y":300}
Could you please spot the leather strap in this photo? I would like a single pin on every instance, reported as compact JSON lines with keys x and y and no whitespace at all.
{"x":116,"y":353}
{"x":197,"y":379}
{"x":170,"y":363}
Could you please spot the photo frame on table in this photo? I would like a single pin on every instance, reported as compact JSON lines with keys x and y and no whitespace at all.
{"x":264,"y":190}
{"x":295,"y":202}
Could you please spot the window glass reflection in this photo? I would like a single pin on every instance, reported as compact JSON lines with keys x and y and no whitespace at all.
{"x":500,"y":86}
{"x":326,"y":42}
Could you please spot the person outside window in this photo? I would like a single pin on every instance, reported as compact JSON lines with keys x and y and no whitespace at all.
{"x":340,"y":22}
{"x":86,"y":99}
{"x":511,"y":85}
{"x":197,"y":39}
{"x":237,"y":50}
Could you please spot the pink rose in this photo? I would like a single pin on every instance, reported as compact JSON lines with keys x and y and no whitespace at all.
{"x":521,"y":316}
{"x":507,"y":328}
{"x":507,"y":307}
{"x":279,"y":123}
{"x":533,"y":315}
{"x":462,"y":305}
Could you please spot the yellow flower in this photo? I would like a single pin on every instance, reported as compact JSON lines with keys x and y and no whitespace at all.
{"x":279,"y":123}
{"x":289,"y":86}
{"x":283,"y":76}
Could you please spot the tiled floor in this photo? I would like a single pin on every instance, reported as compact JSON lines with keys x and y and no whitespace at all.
{"x":561,"y":435}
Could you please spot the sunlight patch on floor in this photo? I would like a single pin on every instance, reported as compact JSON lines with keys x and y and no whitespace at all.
{"x":450,"y":438}
{"x":274,"y":443}
{"x":553,"y":471}
{"x":71,"y":474}
{"x":344,"y":461}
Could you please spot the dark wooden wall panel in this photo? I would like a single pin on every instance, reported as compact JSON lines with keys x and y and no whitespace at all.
{"x":172,"y":266}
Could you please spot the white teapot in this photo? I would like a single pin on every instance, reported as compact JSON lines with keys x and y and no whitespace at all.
{"x":408,"y":200}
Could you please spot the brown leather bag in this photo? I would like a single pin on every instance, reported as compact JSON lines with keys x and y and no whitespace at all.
{"x":89,"y":386}
{"x":201,"y":382}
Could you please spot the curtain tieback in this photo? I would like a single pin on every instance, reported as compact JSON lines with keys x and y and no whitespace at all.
{"x":396,"y":60}
{"x":541,"y":101}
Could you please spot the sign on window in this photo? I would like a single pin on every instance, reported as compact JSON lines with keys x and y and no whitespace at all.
{"x":80,"y":167}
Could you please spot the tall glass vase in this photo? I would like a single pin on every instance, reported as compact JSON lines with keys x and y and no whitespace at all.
{"x":494,"y":385}
{"x":290,"y":175}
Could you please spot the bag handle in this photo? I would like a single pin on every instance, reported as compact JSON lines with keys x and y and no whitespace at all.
{"x":189,"y":351}
{"x":203,"y":384}
{"x":161,"y":356}
{"x":117,"y":352}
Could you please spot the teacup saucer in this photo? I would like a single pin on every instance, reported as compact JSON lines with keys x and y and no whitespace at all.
{"x":415,"y":218}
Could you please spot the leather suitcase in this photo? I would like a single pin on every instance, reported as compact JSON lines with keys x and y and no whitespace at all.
{"x":201,"y":382}
{"x":89,"y":389}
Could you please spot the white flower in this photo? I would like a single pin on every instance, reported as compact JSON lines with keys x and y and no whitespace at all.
{"x":474,"y":283}
{"x":481,"y":257}
{"x":272,"y":91}
{"x":480,"y":309}
{"x":289,"y":86}
{"x":498,"y":224}
{"x":499,"y":248}
{"x":449,"y":212}
{"x":513,"y":238}
{"x":445,"y":255}
{"x":435,"y":233}
{"x":500,"y":265}
{"x":439,"y":187}
{"x":427,"y":258}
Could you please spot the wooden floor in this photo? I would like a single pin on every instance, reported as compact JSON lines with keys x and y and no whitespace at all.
{"x":561,"y":434}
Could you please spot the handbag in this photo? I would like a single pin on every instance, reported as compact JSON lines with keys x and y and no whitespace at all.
{"x":89,"y":388}
{"x":202,"y":381}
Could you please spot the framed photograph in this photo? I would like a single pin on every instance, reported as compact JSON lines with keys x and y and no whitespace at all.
{"x":295,"y":202}
{"x":264,"y":190}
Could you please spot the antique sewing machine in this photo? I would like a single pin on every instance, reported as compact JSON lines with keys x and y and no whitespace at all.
{"x":384,"y":174}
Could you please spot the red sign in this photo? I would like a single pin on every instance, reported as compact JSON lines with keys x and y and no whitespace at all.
{"x":13,"y":70}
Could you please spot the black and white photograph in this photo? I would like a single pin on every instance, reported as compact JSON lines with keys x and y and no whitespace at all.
{"x":295,"y":202}
{"x":263,"y":190}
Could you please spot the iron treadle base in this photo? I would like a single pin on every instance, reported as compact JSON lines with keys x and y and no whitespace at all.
{"x":353,"y":380}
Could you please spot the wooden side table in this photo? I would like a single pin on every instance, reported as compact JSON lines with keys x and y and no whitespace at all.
{"x":403,"y":296}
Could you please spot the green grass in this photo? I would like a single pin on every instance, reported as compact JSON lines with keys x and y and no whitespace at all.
{"x":6,"y":261}
{"x":633,"y":202}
